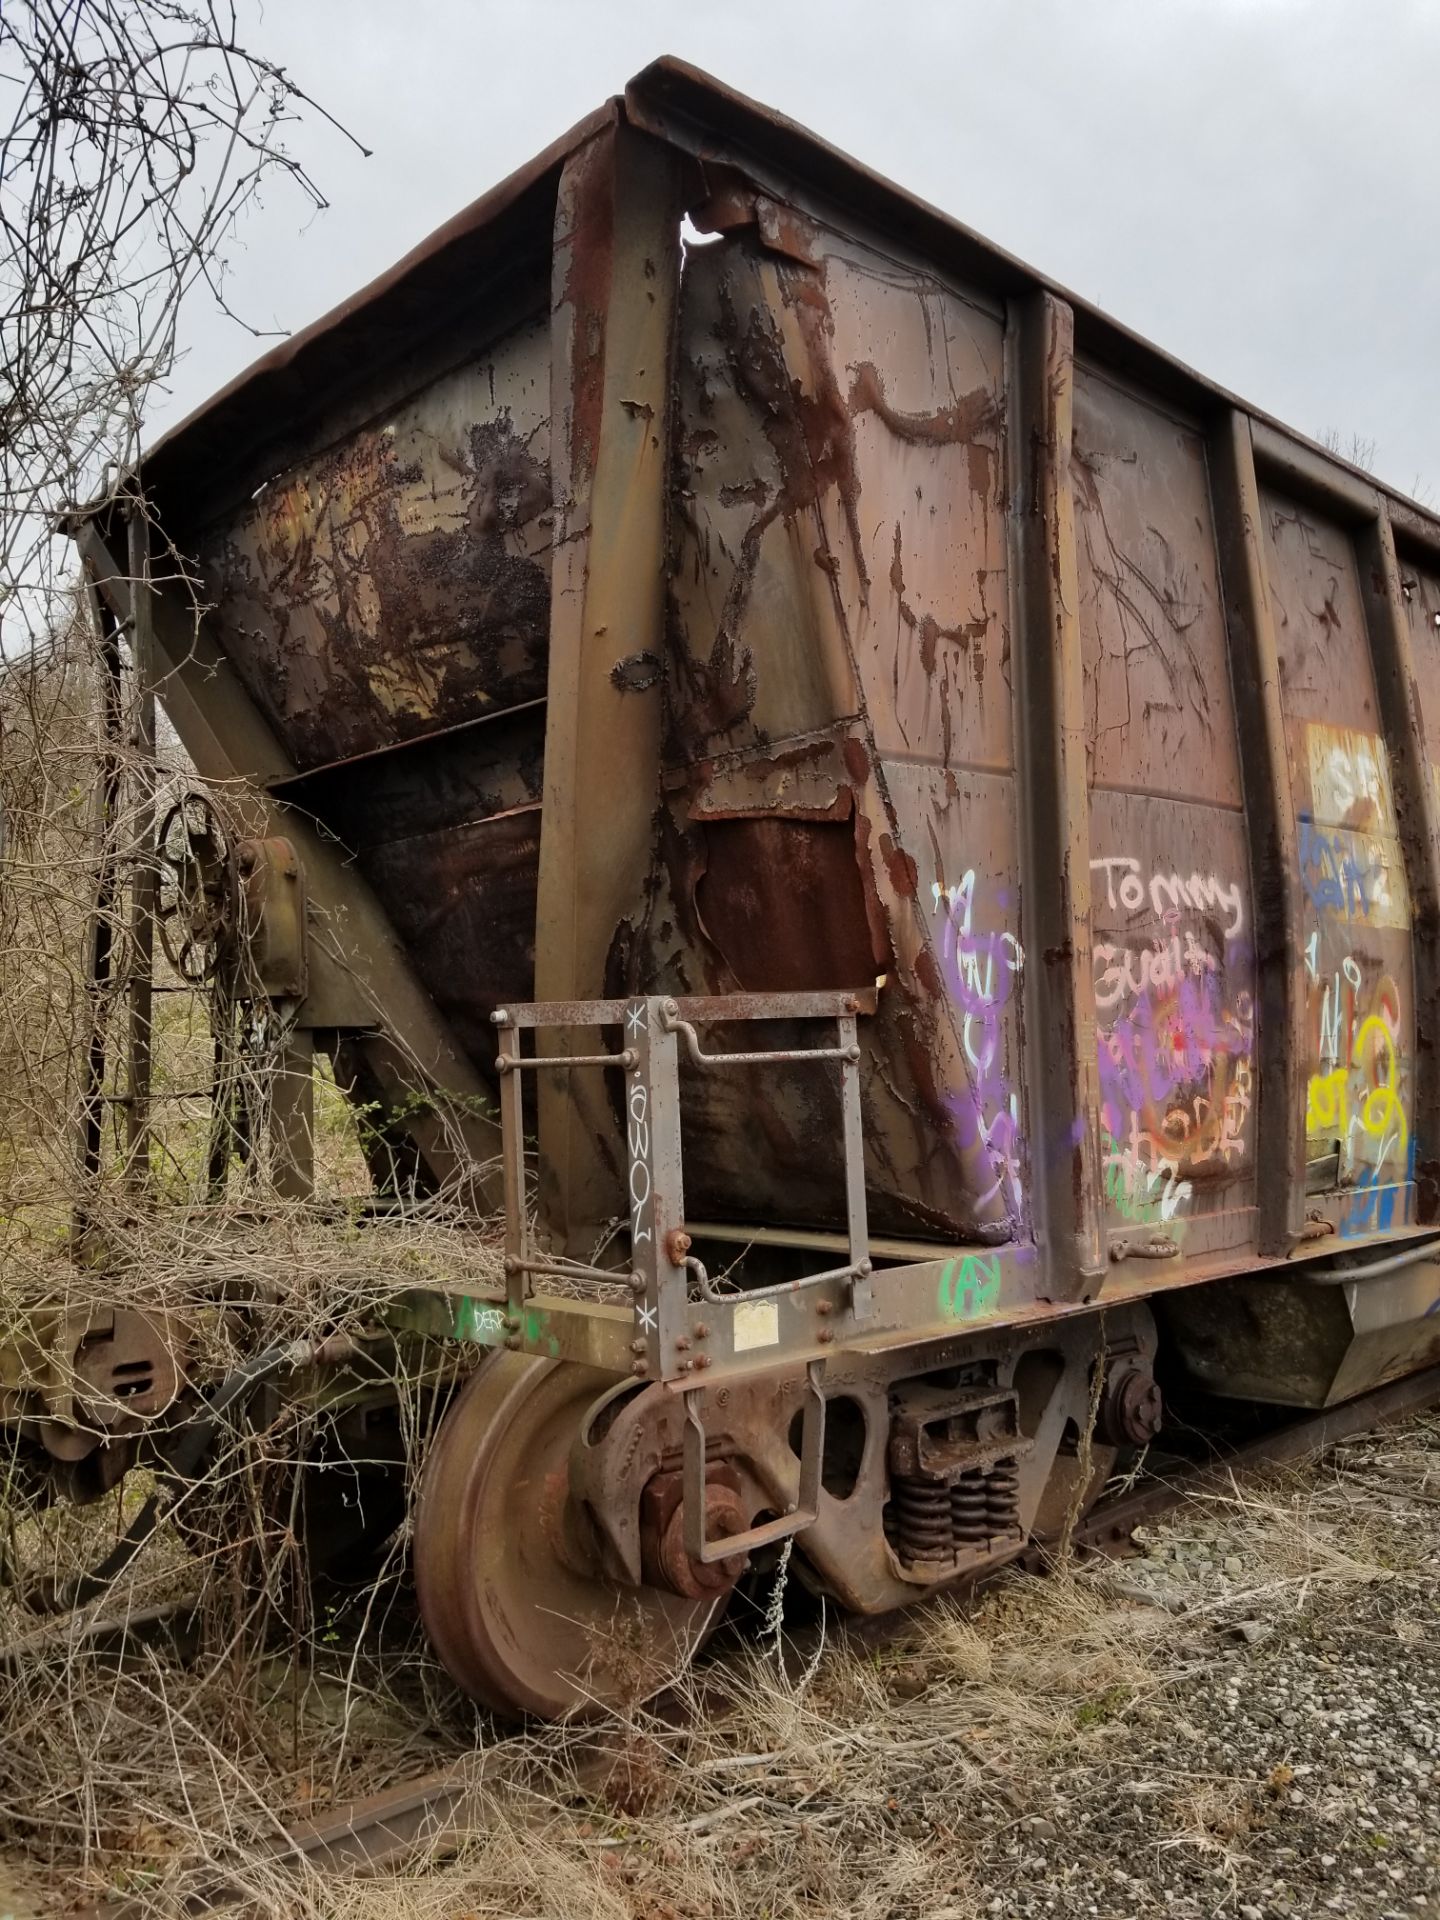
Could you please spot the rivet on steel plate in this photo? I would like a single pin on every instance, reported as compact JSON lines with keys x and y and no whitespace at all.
{"x":824,"y":1306}
{"x":512,"y":1343}
{"x":640,"y":1369}
{"x":702,"y":1360}
{"x":702,"y":1330}
{"x":825,"y":1336}
{"x":637,"y":1346}
{"x":510,"y":1323}
{"x":681,"y":1342}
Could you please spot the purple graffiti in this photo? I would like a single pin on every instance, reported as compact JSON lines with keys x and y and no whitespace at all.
{"x":980,"y":972}
{"x":1165,"y":1044}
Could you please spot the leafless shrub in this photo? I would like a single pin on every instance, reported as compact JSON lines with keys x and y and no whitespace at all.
{"x":134,"y":135}
{"x":1354,"y":448}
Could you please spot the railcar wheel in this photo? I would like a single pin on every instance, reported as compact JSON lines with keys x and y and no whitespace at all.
{"x":505,"y":1592}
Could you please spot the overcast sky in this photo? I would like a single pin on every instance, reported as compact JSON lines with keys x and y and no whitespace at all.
{"x":1250,"y":183}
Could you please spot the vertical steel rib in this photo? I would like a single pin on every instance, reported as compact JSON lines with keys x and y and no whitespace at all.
{"x":1270,"y":822}
{"x":1413,"y":784}
{"x":1054,"y":805}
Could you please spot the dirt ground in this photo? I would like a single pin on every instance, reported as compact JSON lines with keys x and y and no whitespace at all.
{"x":1245,"y":1721}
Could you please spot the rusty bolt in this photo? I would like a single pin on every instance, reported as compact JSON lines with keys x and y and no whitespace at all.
{"x":640,"y":1369}
{"x":1133,"y":1410}
{"x":682,"y":1342}
{"x":700,"y":1362}
{"x":638,"y":1346}
{"x":852,"y":1005}
{"x":685,"y":1366}
{"x":677,"y":1245}
{"x":825,"y":1336}
{"x":702,"y":1330}
{"x":824,"y":1306}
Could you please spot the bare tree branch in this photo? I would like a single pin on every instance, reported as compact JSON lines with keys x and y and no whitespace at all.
{"x":133,"y":134}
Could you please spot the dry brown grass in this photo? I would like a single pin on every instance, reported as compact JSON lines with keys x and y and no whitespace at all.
{"x":843,"y":1778}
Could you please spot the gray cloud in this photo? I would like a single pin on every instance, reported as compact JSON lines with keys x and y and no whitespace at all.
{"x":1248,"y":182}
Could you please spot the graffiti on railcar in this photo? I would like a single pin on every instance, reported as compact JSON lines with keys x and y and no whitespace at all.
{"x":1356,"y":966}
{"x":969,"y":1286}
{"x":982,"y":972}
{"x":1175,"y":1033}
{"x":1352,"y":876}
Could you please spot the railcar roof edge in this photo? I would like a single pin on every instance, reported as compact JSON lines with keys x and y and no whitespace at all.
{"x":689,"y":108}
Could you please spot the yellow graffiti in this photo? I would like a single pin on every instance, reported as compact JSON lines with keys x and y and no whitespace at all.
{"x":1382,"y":1114}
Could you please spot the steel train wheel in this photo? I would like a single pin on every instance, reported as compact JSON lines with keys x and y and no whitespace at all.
{"x":504,"y":1592}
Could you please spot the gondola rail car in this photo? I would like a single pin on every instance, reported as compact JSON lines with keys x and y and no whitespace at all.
{"x":916,"y":810}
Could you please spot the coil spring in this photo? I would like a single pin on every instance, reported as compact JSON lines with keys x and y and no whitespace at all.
{"x":926,"y":1521}
{"x":919,"y":1519}
{"x":1002,"y":1496}
{"x":969,"y":1508}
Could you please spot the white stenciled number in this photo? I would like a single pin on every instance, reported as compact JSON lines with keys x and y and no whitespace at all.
{"x":639,"y":1162}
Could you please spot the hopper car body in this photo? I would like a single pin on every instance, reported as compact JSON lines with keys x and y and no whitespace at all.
{"x":896,"y":790}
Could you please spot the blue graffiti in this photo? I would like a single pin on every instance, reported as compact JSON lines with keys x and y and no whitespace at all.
{"x":1335,"y":881}
{"x":1371,"y":1203}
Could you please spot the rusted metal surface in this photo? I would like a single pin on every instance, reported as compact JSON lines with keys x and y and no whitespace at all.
{"x":615,"y":282}
{"x":839,"y":744}
{"x":677,"y":1332}
{"x":1418,"y":824}
{"x":935,"y":1415}
{"x":850,"y":522}
{"x":658,"y":651}
{"x":399,"y":582}
{"x":145,"y":888}
{"x":1276,"y":895}
{"x":1063,"y":1066}
{"x":253,"y":427}
{"x":1357,"y":947}
{"x":358,"y":975}
{"x":1172,"y":908}
{"x":519,"y":1618}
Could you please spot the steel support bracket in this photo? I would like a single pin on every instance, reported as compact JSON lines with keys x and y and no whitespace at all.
{"x":807,"y":1505}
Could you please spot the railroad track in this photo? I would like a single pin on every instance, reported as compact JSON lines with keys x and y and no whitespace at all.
{"x":364,"y":1835}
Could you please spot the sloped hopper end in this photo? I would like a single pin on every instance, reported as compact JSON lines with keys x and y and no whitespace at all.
{"x":1311,"y":1339}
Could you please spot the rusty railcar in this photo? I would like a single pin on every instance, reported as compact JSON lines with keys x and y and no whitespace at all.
{"x":911,"y":796}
